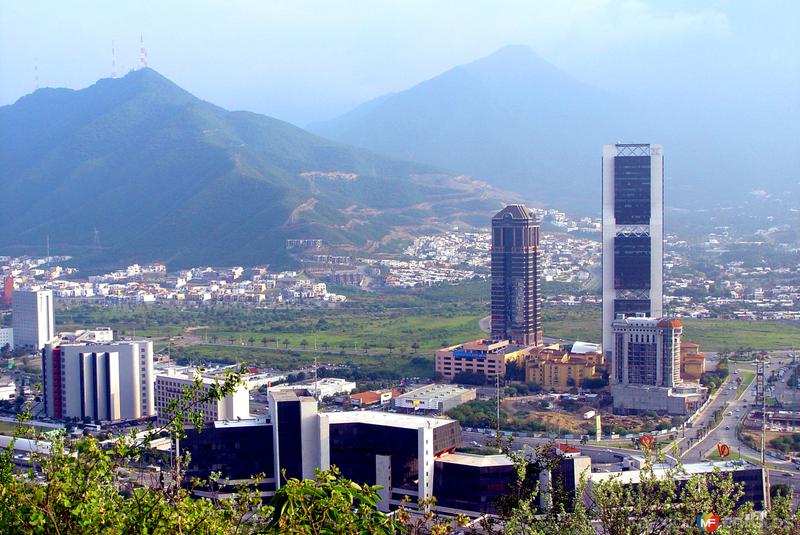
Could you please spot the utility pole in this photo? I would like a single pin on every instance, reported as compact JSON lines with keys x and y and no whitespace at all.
{"x":316,"y":380}
{"x":142,"y":53}
{"x":497,"y":389}
{"x":113,"y":61}
{"x":760,"y":374}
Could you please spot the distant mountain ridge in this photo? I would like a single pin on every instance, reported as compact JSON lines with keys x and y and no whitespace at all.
{"x":163,"y":175}
{"x":521,"y":124}
{"x":496,"y":119}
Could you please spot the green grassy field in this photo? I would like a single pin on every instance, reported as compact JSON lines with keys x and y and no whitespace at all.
{"x":731,"y":335}
{"x":380,"y":364}
{"x":7,"y":428}
{"x":747,"y":379}
{"x":389,"y":324}
{"x":573,"y":322}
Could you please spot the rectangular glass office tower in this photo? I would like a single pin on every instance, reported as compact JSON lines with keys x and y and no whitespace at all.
{"x":633,"y":233}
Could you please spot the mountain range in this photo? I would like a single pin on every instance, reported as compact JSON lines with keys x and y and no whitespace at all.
{"x":157,"y":174}
{"x":520,"y":123}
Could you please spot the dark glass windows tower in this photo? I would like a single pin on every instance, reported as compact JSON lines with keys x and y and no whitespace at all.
{"x":516,"y":280}
{"x":633,"y":223}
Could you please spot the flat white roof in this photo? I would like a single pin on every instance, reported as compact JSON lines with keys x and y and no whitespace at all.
{"x":581,"y":348}
{"x":25,"y":444}
{"x":474,"y":459}
{"x":634,"y":476}
{"x":435,"y":391}
{"x":244,"y":422}
{"x":388,"y":419}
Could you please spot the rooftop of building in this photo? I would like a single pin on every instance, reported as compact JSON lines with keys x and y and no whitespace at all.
{"x":373,"y":396}
{"x":634,"y":476}
{"x":243,"y":422}
{"x":514,"y":211}
{"x":472,"y":459}
{"x":436,"y":391}
{"x":566,"y":448}
{"x":644,"y":321}
{"x":487,"y":345}
{"x":291,"y":395}
{"x":188,"y":373}
{"x":581,"y":348}
{"x":366,"y":397}
{"x":388,"y":419}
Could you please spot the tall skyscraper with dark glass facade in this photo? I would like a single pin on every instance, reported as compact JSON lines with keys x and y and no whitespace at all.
{"x":516,"y":279}
{"x":633,"y":233}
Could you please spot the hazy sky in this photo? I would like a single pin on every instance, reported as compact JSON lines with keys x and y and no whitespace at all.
{"x":310,"y":60}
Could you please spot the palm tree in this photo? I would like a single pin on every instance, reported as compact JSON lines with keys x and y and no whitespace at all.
{"x":390,"y":346}
{"x":325,"y":345}
{"x":415,"y":346}
{"x":366,"y":347}
{"x":285,"y":343}
{"x":214,"y":338}
{"x":264,"y":341}
{"x":304,"y":343}
{"x":342,"y":345}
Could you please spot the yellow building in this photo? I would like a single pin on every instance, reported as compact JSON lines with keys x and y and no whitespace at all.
{"x":488,"y":357}
{"x":693,"y":362}
{"x":558,"y":369}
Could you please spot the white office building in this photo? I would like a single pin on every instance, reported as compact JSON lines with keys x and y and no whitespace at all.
{"x":32,"y":318}
{"x":633,"y":234}
{"x":103,"y":381}
{"x":173,"y":384}
{"x":7,"y":337}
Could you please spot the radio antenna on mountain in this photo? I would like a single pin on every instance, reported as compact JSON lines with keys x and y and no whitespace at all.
{"x":96,"y":241}
{"x":142,"y":53}
{"x":36,"y":74}
{"x":113,"y":61}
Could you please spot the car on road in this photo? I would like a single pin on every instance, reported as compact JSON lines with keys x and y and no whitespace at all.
{"x":727,"y":428}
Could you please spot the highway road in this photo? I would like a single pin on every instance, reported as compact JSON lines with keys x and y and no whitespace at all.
{"x":725,"y":433}
{"x":690,"y":448}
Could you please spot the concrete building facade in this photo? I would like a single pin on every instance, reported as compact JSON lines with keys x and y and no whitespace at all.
{"x":32,"y":318}
{"x":102,"y":381}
